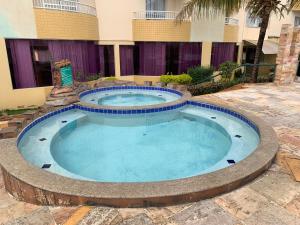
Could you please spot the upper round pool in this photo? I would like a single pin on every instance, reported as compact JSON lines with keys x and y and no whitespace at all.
{"x":130,"y":96}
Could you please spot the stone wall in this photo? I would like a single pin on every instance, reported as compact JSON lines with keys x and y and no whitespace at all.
{"x":288,"y":55}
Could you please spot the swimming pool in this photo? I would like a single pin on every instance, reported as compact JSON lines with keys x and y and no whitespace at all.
{"x":131,"y":156}
{"x":133,"y":148}
{"x":130,"y":96}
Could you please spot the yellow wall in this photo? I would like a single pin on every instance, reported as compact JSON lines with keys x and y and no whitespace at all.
{"x":115,"y":18}
{"x":231,"y":33}
{"x":55,"y":24}
{"x":161,"y":30}
{"x":11,"y":99}
{"x":140,"y":79}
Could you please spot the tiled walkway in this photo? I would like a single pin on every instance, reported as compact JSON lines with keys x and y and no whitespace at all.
{"x":273,"y":198}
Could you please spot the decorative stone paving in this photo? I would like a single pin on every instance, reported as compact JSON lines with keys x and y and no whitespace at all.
{"x":272,"y":199}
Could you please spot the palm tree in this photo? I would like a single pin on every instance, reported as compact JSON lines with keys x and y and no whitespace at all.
{"x":257,"y":9}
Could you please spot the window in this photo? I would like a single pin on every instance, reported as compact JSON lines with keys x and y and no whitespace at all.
{"x":297,"y":21}
{"x":252,"y":22}
{"x":155,"y":5}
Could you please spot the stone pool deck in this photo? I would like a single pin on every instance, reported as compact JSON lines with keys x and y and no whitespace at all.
{"x":273,"y":198}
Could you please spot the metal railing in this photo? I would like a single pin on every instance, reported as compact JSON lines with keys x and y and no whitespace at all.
{"x":231,"y":21}
{"x":155,"y":15}
{"x":243,"y":73}
{"x":65,"y":5}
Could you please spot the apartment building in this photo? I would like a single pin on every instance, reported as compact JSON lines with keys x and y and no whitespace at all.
{"x":134,"y":39}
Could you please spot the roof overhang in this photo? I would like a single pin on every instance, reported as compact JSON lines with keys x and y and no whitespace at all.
{"x":269,"y":47}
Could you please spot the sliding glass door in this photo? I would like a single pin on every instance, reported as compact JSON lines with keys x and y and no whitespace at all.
{"x":155,"y":8}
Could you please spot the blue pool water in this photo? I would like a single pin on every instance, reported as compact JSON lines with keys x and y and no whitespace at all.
{"x":153,"y":147}
{"x":130,"y":100}
{"x":129,"y":97}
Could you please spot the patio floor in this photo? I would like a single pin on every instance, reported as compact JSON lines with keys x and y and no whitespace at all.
{"x":273,"y":198}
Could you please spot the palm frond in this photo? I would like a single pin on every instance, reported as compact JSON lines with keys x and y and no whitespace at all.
{"x":209,"y":8}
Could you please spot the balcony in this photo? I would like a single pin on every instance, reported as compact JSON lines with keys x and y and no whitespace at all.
{"x":66,"y":19}
{"x":67,"y":5}
{"x":160,"y":26}
{"x":231,"y":21}
{"x":231,"y":29}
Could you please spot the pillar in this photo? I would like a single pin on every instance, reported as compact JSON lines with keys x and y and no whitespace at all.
{"x":117,"y":60}
{"x":206,"y":53}
{"x":288,"y":55}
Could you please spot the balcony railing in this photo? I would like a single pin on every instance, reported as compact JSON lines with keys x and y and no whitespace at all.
{"x":65,"y":5}
{"x":155,"y":15}
{"x":231,"y":21}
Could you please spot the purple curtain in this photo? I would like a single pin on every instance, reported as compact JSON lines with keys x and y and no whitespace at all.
{"x":222,"y":52}
{"x":189,"y":56}
{"x":82,"y":54}
{"x":22,"y":63}
{"x":126,"y":60}
{"x":152,"y":58}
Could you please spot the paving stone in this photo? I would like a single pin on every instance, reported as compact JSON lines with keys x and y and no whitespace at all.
{"x":291,"y":139}
{"x":38,"y":217}
{"x":242,"y":203}
{"x":141,"y":219}
{"x":62,"y":214}
{"x":272,"y":215}
{"x":9,"y":132}
{"x":294,"y":206}
{"x":131,"y":212}
{"x":294,"y":165}
{"x":102,"y":216}
{"x":203,"y":212}
{"x":278,"y":187}
{"x":159,"y":215}
{"x":3,"y":124}
{"x":177,"y":208}
{"x":30,"y":114}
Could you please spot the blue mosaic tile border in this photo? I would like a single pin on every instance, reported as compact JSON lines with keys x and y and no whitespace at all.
{"x":130,"y":111}
{"x":139,"y":111}
{"x":82,"y":94}
{"x":225,"y":110}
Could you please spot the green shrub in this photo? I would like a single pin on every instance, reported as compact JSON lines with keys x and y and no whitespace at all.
{"x":178,"y":79}
{"x":110,"y":79}
{"x":227,"y":69}
{"x":92,"y":77}
{"x":238,"y":73}
{"x":183,"y":79}
{"x":211,"y":87}
{"x":200,"y":74}
{"x":167,"y":79}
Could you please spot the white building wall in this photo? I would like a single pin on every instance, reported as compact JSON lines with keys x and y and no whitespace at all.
{"x":115,"y":18}
{"x":17,"y":19}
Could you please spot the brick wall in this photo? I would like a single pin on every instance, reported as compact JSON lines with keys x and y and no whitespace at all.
{"x":288,"y":54}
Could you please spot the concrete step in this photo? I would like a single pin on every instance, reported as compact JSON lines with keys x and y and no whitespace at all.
{"x":62,"y":95}
{"x":17,"y":122}
{"x":8,"y":132}
{"x":30,"y":115}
